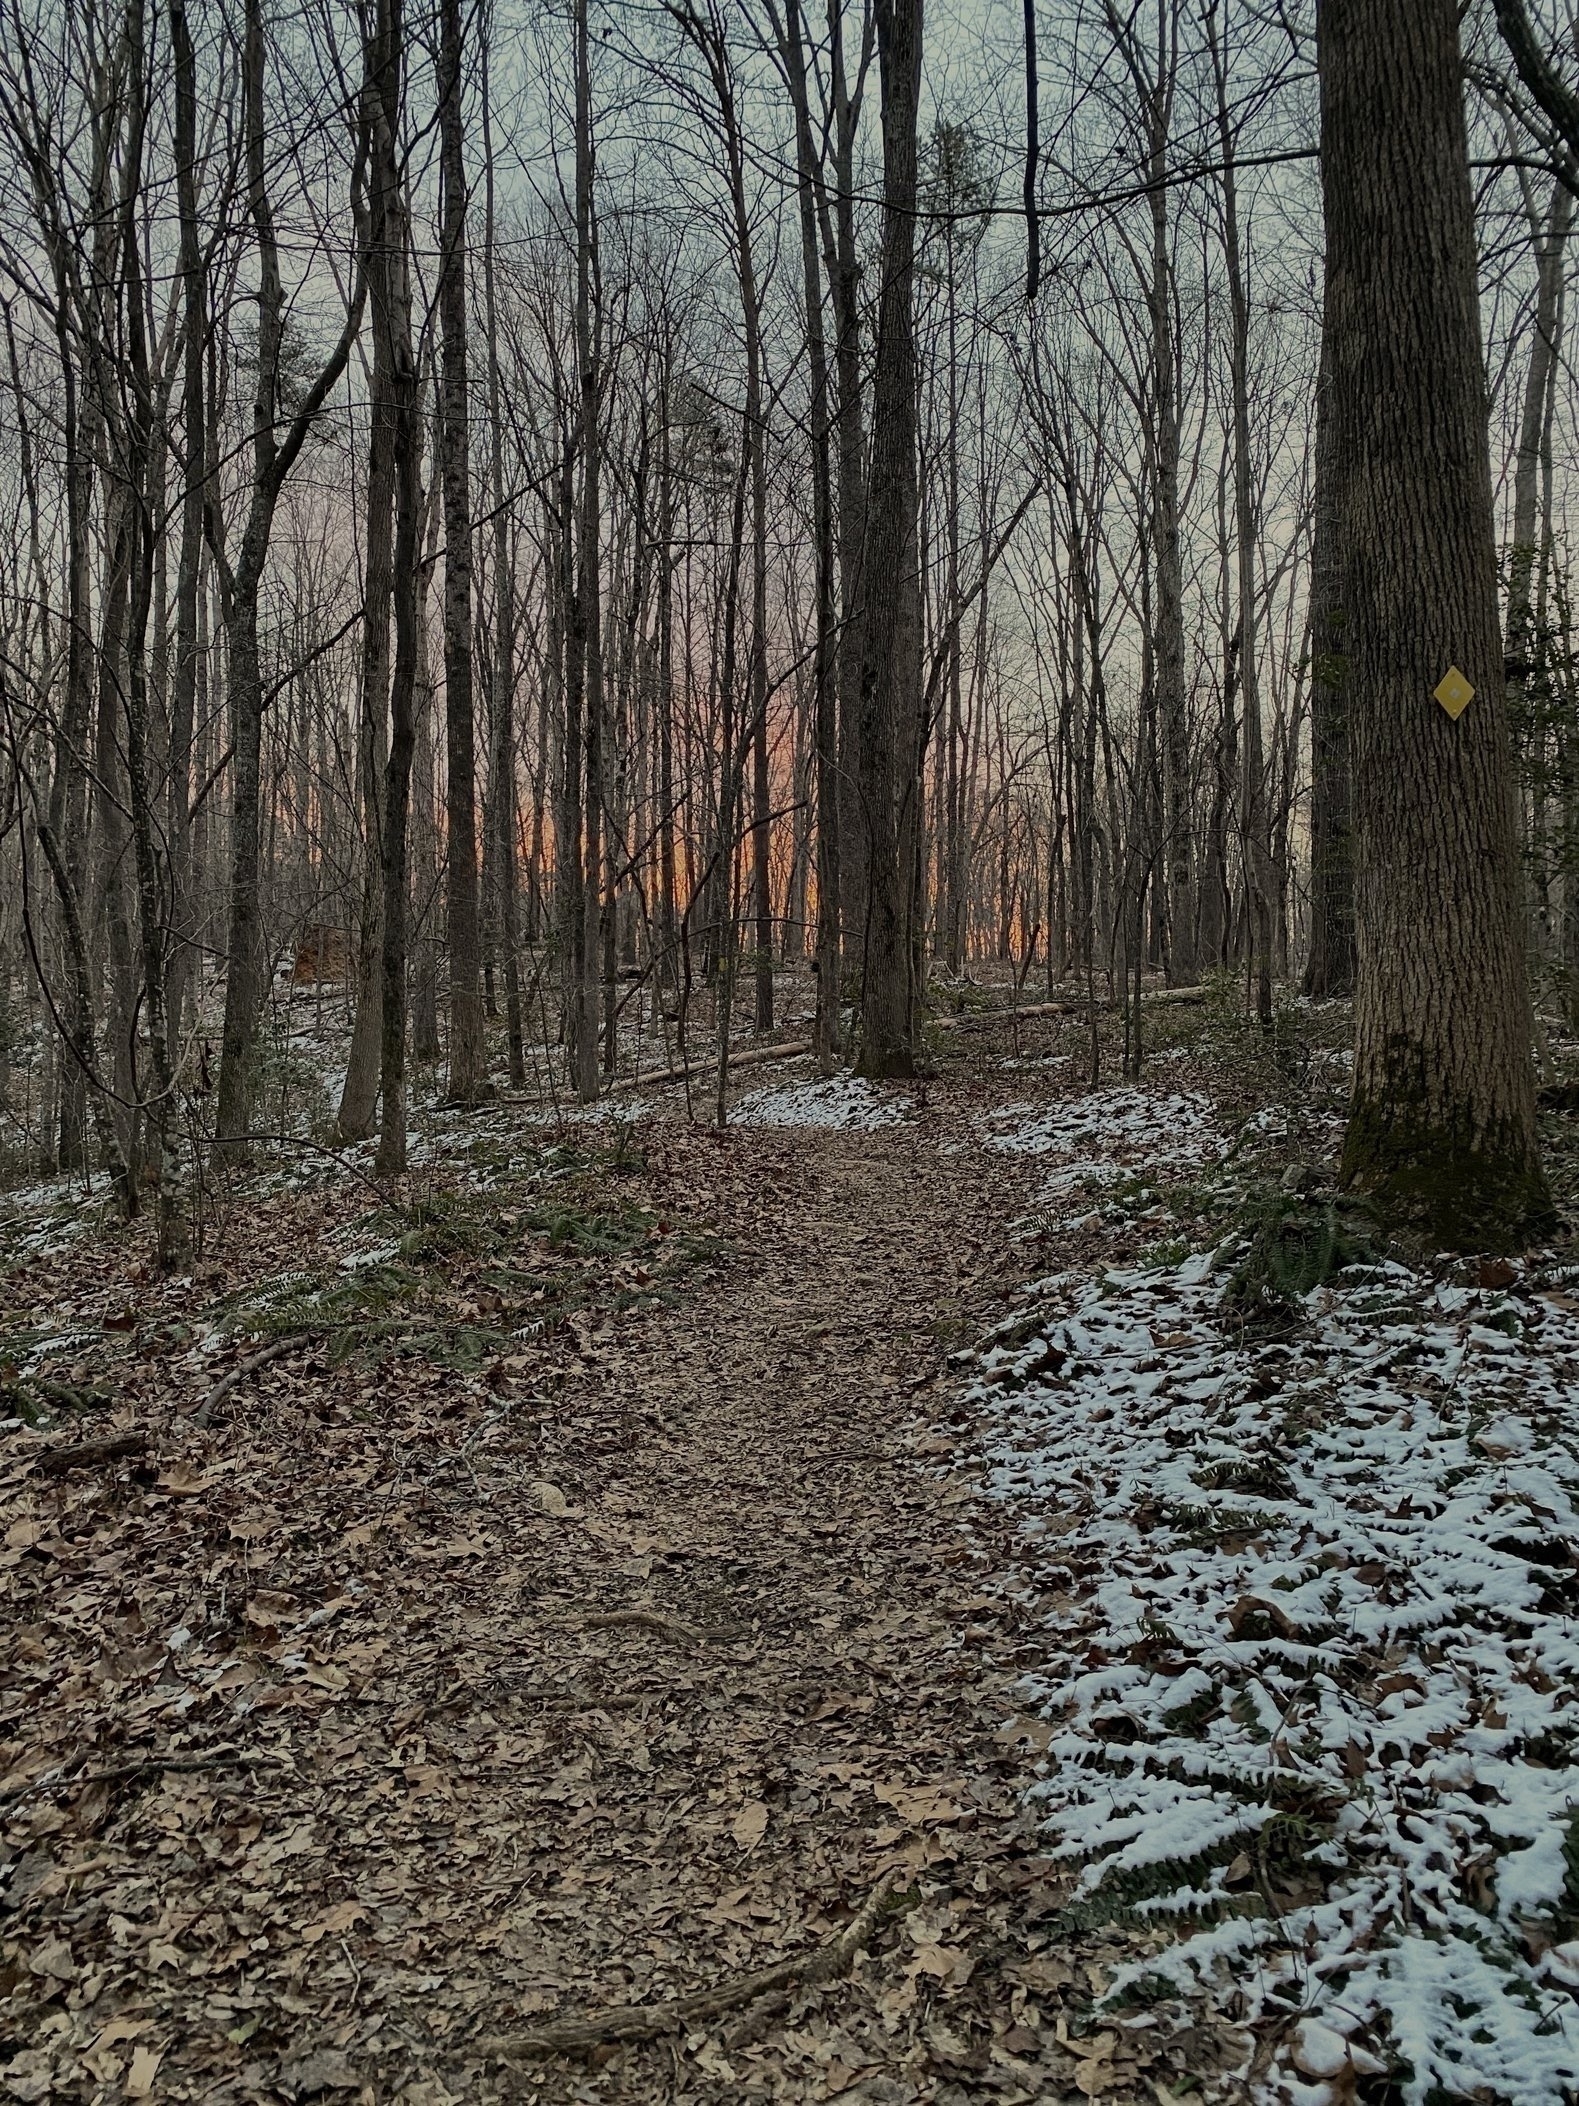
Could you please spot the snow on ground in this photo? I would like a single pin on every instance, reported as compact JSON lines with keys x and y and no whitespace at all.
{"x":844,"y":1101}
{"x":1111,"y":1125}
{"x":40,"y":1220}
{"x":1313,"y":1663}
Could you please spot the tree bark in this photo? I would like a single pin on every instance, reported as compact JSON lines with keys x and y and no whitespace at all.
{"x":587,"y":602}
{"x":890,"y":599}
{"x":272,"y":461}
{"x":1329,"y":970}
{"x":1442,"y":1123}
{"x":1259,"y":880}
{"x":504,"y":771}
{"x":825,"y":732}
{"x":468,"y":1081}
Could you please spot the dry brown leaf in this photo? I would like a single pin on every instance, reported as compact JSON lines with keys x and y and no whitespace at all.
{"x":145,"y":2067}
{"x":340,"y":1918}
{"x":750,"y":1824}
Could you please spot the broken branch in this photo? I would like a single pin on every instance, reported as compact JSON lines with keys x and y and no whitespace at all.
{"x":106,"y":1448}
{"x":572,"y":2036}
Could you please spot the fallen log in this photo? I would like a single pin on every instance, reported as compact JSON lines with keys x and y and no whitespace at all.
{"x":108,"y":1447}
{"x":1155,"y":997}
{"x":751,"y":1057}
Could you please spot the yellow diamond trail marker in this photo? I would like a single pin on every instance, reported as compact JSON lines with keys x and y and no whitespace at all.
{"x":1454,"y":692}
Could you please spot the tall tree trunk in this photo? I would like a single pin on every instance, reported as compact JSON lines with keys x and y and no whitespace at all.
{"x":587,"y":605}
{"x":504,"y":771}
{"x":141,"y":510}
{"x":468,"y":1056}
{"x":1330,"y":967}
{"x":842,"y":257}
{"x":891,"y":600}
{"x":825,"y":721}
{"x":429,"y":857}
{"x":359,"y":1092}
{"x":1521,"y":645}
{"x":1259,"y":881}
{"x":1442,"y":1123}
{"x":1168,"y":629}
{"x":183,"y":689}
{"x":393,"y":560}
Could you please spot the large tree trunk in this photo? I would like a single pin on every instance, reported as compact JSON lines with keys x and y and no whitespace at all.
{"x":468,"y":1058}
{"x":1442,"y":1123}
{"x":890,"y":599}
{"x":1260,"y":884}
{"x":825,"y":733}
{"x":393,"y":561}
{"x":1329,"y":970}
{"x":138,"y":456}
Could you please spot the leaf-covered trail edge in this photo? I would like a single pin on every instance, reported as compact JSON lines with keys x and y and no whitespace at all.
{"x":630,"y":1662}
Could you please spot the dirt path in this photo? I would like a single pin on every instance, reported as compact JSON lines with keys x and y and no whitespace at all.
{"x":374,"y":1785}
{"x":845,"y":1736}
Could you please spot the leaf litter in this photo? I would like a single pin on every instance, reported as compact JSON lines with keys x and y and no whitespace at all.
{"x":591,"y":1606}
{"x":562,"y":1618}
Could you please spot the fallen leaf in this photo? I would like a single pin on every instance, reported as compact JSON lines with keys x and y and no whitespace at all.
{"x":122,"y":2029}
{"x":145,"y":2065}
{"x":340,"y":1918}
{"x":325,"y":2069}
{"x":1099,"y":2048}
{"x":915,"y":1804}
{"x":54,"y":1962}
{"x":750,"y":1825}
{"x":183,"y":1482}
{"x":940,"y":1961}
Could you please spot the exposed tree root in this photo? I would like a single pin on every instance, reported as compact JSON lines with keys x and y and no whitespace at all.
{"x":624,"y":2022}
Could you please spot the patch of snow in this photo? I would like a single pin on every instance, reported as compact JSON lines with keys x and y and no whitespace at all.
{"x":1323,"y":1616}
{"x":360,"y":1260}
{"x":41,"y":1220}
{"x":845,"y":1102}
{"x":1116,"y":1124}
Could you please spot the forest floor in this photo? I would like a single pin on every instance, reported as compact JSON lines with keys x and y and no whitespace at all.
{"x":597,"y":1573}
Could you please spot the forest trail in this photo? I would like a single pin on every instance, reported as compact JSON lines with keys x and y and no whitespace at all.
{"x":570,"y":1588}
{"x":626,"y":1667}
{"x":845,"y":1734}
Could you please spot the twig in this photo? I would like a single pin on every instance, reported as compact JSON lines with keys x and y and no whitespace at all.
{"x":63,"y":1779}
{"x":274,"y":1350}
{"x":570,"y":2036}
{"x":56,"y":1461}
{"x":667,"y":1626}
